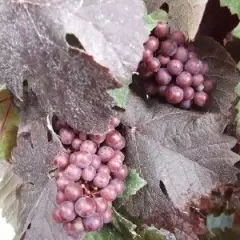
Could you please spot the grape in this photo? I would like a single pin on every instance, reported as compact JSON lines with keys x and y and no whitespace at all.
{"x":174,"y":94}
{"x":163,"y":77}
{"x":164,"y":60}
{"x":150,"y":87}
{"x":60,"y":197}
{"x":152,"y":44}
{"x":62,"y":182}
{"x":82,"y":136}
{"x":67,"y":211}
{"x":113,"y":138}
{"x":83,"y":159}
{"x":188,"y":93}
{"x":118,"y":155}
{"x":77,"y":225}
{"x":186,"y":104}
{"x":68,"y":228}
{"x":122,"y":173}
{"x":61,"y":161}
{"x":200,"y":88}
{"x":114,"y":122}
{"x":175,"y":67}
{"x":66,"y":136}
{"x":193,"y":66}
{"x":85,"y":207}
{"x":168,"y":48}
{"x":181,"y":54}
{"x":143,"y":72}
{"x":56,"y":216}
{"x":98,"y":138}
{"x":192,"y":55}
{"x":197,"y":80}
{"x":96,"y":161}
{"x":102,"y":204}
{"x":59,"y":174}
{"x":204,"y":68}
{"x":93,"y":223}
{"x":161,"y":90}
{"x":105,"y":169}
{"x":105,"y":153}
{"x":208,"y":86}
{"x":76,"y":143}
{"x":114,"y":165}
{"x":161,"y":31}
{"x":72,"y":172}
{"x":200,"y":99}
{"x":121,"y":144}
{"x":153,"y":64}
{"x":118,"y":185}
{"x":107,"y":215}
{"x":88,"y":173}
{"x":147,"y":54}
{"x":101,"y":180}
{"x":178,"y":37}
{"x":73,"y":191}
{"x":184,"y":79}
{"x":109,"y":193}
{"x":88,"y":146}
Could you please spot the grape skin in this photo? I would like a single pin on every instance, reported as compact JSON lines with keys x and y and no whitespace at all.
{"x":101,"y":180}
{"x":164,"y":60}
{"x":118,"y":185}
{"x":85,"y":207}
{"x":152,"y":44}
{"x":161,"y":31}
{"x":184,"y":79}
{"x":105,"y":153}
{"x":101,"y":204}
{"x":153,"y":64}
{"x":60,"y":197}
{"x":175,"y":67}
{"x":200,"y":99}
{"x":82,"y":159}
{"x":174,"y":94}
{"x":188,"y":93}
{"x":107,"y":215}
{"x":163,"y":77}
{"x":88,"y":146}
{"x":72,"y":172}
{"x":197,"y":80}
{"x":193,"y":66}
{"x":181,"y":54}
{"x":73,"y":191}
{"x":178,"y":37}
{"x":88,"y":173}
{"x":209,"y":86}
{"x":109,"y":193}
{"x":168,"y":48}
{"x":76,"y":143}
{"x":66,"y":136}
{"x":93,"y":223}
{"x":67,"y":211}
{"x":61,"y":161}
{"x":56,"y":216}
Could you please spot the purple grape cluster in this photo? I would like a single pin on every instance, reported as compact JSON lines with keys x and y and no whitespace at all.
{"x":89,"y":177}
{"x":172,"y":70}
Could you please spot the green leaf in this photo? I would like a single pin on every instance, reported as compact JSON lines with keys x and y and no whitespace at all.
{"x":133,"y":184}
{"x":236,"y":31}
{"x":8,"y":125}
{"x":151,"y":233}
{"x":238,"y":66}
{"x":237,"y":89}
{"x":120,"y":95}
{"x":152,"y":19}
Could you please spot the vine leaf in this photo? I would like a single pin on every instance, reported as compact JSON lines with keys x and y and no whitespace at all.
{"x":8,"y":125}
{"x":120,"y":95}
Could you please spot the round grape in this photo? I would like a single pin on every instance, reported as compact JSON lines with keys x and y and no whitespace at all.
{"x":105,"y":153}
{"x":72,"y":172}
{"x":122,"y":173}
{"x":60,"y":197}
{"x":161,"y":31}
{"x":174,"y":94}
{"x":178,"y":37}
{"x":67,"y":211}
{"x":85,"y":207}
{"x":175,"y":67}
{"x":186,"y":104}
{"x":184,"y":79}
{"x":200,"y":99}
{"x":102,"y":204}
{"x":62,"y":182}
{"x":98,"y":138}
{"x":66,"y":136}
{"x":88,"y":173}
{"x":181,"y":54}
{"x":147,"y":54}
{"x":114,"y":165}
{"x":152,"y":44}
{"x":57,"y":216}
{"x":118,"y":185}
{"x":197,"y":80}
{"x":168,"y":48}
{"x":114,"y":122}
{"x":192,"y":55}
{"x":82,"y":136}
{"x":113,"y":138}
{"x":118,"y":155}
{"x":73,"y":191}
{"x":76,"y":143}
{"x":193,"y":66}
{"x":164,"y":60}
{"x":96,"y":161}
{"x":59,"y":174}
{"x":188,"y":93}
{"x":161,"y":90}
{"x":61,"y":161}
{"x":88,"y":146}
{"x":109,"y":193}
{"x":77,"y":225}
{"x":101,"y":179}
{"x":104,"y":169}
{"x":107,"y":215}
{"x":163,"y":77}
{"x":83,"y":159}
{"x":199,"y":88}
{"x":121,"y":144}
{"x":153,"y":64}
{"x":209,"y":86}
{"x":150,"y":87}
{"x":93,"y":223}
{"x":68,"y":228}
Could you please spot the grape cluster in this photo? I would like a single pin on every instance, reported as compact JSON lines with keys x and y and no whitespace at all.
{"x":172,"y":70}
{"x":89,"y":176}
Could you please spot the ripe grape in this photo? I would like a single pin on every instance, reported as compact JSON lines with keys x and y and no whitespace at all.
{"x":107,"y":215}
{"x":57,"y":216}
{"x":163,"y":77}
{"x":105,"y":153}
{"x":186,"y":104}
{"x":67,"y":211}
{"x":200,"y":99}
{"x":199,"y":88}
{"x":168,"y":48}
{"x":93,"y":223}
{"x":98,"y":138}
{"x":82,"y":136}
{"x":174,"y":94}
{"x":77,"y":225}
{"x":181,"y":54}
{"x":85,"y":207}
{"x":193,"y":66}
{"x":61,"y":161}
{"x":88,"y":146}
{"x":153,"y":64}
{"x":118,"y":155}
{"x":76,"y":143}
{"x":192,"y":55}
{"x":188,"y":93}
{"x":60,"y":197}
{"x":62,"y":182}
{"x":101,"y":179}
{"x":175,"y":67}
{"x":184,"y":79}
{"x":209,"y":86}
{"x":72,"y":172}
{"x":96,"y":161}
{"x":66,"y":136}
{"x":88,"y":173}
{"x":59,"y":174}
{"x":178,"y":37}
{"x":114,"y":122}
{"x":114,"y":165}
{"x":161,"y":31}
{"x":82,"y":159}
{"x":150,"y":87}
{"x":73,"y":191}
{"x":161,"y":90}
{"x":118,"y":185}
{"x":102,"y":204}
{"x":147,"y":54}
{"x":109,"y":193}
{"x":197,"y":80}
{"x":69,"y":228}
{"x":113,"y":138}
{"x":122,"y":173}
{"x":164,"y":60}
{"x":152,"y":44}
{"x":104,"y":168}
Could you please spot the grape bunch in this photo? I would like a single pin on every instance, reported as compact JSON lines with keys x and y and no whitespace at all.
{"x":172,"y":70}
{"x":89,"y":177}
